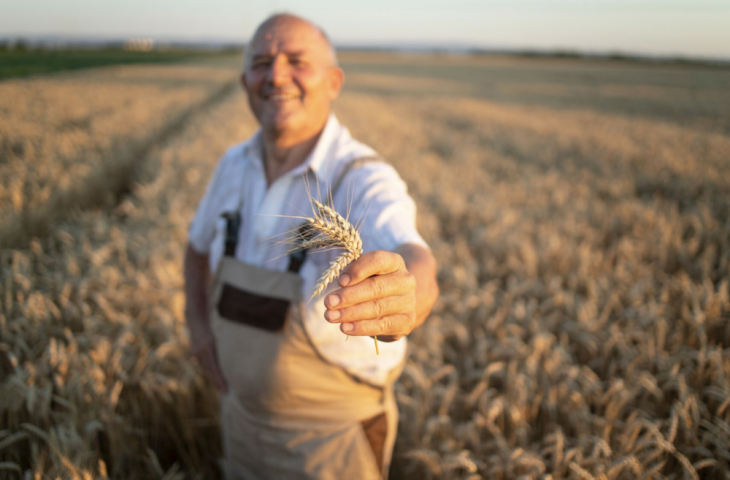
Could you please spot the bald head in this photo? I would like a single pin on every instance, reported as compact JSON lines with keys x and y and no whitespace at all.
{"x":291,"y":77}
{"x":280,"y":21}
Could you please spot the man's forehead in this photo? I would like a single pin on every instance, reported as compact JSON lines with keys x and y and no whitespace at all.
{"x":288,"y":37}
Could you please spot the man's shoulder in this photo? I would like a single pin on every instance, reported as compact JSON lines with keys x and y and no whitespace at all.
{"x":365,"y":160}
{"x":347,"y":148}
{"x":347,"y":152}
{"x":362,"y":171}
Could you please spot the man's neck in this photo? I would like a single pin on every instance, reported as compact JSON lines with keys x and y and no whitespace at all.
{"x":282,"y":155}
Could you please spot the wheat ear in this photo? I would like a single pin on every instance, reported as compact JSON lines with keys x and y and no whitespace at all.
{"x":330,"y":229}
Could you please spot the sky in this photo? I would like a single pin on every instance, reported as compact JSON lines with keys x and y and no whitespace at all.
{"x":695,"y":28}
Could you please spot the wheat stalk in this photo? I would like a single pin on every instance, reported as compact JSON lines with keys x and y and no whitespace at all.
{"x":327,"y":229}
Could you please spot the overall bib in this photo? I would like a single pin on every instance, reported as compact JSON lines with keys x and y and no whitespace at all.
{"x":289,"y":414}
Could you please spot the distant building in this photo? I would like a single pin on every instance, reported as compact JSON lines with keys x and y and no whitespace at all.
{"x":139,"y":44}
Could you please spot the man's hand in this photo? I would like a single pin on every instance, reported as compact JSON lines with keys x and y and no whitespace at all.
{"x":384,"y":294}
{"x":202,"y":341}
{"x":202,"y":347}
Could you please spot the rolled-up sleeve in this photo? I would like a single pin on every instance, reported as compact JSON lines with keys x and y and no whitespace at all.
{"x":381,"y":207}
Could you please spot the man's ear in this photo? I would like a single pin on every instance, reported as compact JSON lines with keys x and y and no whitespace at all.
{"x":336,"y":81}
{"x":243,"y":80}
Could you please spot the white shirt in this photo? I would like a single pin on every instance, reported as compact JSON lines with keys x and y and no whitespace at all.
{"x":374,"y":195}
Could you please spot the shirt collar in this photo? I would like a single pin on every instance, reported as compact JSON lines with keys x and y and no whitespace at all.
{"x":317,"y":161}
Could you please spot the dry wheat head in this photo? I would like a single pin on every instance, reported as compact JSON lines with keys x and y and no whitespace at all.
{"x":330,"y":229}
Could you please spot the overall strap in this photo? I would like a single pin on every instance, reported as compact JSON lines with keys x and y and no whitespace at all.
{"x":350,"y":165}
{"x":233,"y":223}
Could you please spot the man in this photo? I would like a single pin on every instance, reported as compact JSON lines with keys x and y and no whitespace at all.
{"x":298,"y":401}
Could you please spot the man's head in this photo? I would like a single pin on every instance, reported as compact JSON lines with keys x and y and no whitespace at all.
{"x":291,"y":77}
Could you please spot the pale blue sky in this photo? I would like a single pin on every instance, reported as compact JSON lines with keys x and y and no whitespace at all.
{"x":683,"y":27}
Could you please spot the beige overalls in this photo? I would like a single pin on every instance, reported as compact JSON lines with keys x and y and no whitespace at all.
{"x":289,"y":414}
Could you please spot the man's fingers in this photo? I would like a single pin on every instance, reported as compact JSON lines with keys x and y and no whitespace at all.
{"x":394,"y":325}
{"x":372,"y":310}
{"x":378,"y":262}
{"x":379,"y":286}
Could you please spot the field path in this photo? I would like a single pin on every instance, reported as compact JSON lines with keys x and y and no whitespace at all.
{"x":93,"y":349}
{"x":97,"y":147}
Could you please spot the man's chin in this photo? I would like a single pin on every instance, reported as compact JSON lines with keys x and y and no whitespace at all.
{"x":292,"y":125}
{"x":279,"y":123}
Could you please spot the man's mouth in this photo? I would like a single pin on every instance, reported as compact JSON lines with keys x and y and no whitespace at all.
{"x":281,"y":97}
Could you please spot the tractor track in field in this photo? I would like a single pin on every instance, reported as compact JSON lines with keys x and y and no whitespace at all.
{"x":106,"y":184}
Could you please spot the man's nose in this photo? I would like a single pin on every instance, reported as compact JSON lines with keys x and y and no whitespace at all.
{"x":280,"y":71}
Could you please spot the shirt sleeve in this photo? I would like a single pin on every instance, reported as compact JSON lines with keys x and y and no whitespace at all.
{"x":202,"y":228}
{"x":380,"y":207}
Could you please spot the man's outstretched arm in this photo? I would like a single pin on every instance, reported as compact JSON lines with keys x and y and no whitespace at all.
{"x":387,"y":294}
{"x":202,"y":342}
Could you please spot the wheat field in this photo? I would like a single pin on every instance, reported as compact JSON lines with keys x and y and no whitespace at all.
{"x":583,"y":244}
{"x":61,"y":133}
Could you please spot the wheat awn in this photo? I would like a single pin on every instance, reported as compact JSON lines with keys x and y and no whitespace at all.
{"x":327,"y":229}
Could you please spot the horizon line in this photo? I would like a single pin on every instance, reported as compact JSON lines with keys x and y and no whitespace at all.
{"x":425,"y":46}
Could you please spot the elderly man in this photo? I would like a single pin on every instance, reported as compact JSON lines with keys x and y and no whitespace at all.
{"x":298,"y":400}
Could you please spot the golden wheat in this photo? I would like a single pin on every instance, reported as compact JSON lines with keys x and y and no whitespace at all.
{"x":329,"y":229}
{"x":566,"y":277}
{"x":582,"y":329}
{"x":61,"y":139}
{"x":108,"y":376}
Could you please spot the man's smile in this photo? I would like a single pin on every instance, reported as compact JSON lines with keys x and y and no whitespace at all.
{"x":281,"y":97}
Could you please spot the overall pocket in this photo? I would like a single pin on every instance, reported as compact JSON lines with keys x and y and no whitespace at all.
{"x":251,"y":309}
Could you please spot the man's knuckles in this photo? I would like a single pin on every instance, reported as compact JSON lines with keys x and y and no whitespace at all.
{"x":379,"y":309}
{"x":408,"y":281}
{"x":382,"y":286}
{"x":372,"y":310}
{"x":377,"y":262}
{"x":389,"y":325}
{"x":386,"y":261}
{"x":376,"y":287}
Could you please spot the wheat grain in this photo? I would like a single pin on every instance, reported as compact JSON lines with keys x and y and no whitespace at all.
{"x":428,"y":458}
{"x":329,"y":229}
{"x":616,"y":467}
{"x":580,"y":471}
{"x":333,"y":271}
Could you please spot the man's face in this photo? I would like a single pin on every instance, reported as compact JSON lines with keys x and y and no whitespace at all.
{"x":291,"y":79}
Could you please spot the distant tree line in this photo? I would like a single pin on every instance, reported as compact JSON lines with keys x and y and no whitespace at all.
{"x":18,"y":45}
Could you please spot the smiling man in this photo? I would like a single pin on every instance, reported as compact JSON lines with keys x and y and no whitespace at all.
{"x":297,"y":400}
